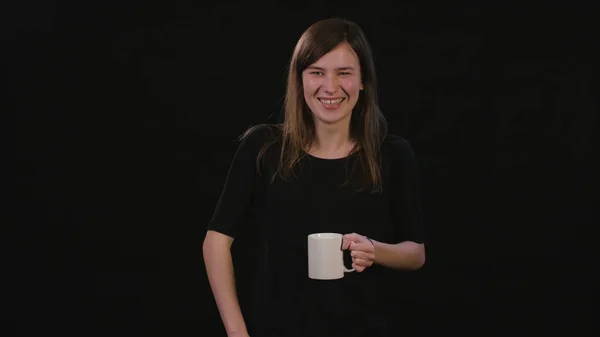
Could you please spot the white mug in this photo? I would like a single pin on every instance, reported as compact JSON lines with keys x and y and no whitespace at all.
{"x":325,"y":257}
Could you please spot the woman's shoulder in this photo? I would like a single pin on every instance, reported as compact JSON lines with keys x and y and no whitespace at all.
{"x":397,"y":146}
{"x":262,"y":132}
{"x":395,"y":142}
{"x":259,"y":135}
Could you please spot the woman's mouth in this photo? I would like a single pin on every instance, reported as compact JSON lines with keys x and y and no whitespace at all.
{"x":331,"y":103}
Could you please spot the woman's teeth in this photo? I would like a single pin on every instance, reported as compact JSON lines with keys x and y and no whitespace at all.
{"x":330,"y":101}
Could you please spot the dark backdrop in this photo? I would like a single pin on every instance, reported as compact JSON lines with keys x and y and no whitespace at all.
{"x":126,"y":119}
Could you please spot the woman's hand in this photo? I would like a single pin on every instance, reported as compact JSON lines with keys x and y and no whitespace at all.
{"x":238,"y":334}
{"x":361,"y":249}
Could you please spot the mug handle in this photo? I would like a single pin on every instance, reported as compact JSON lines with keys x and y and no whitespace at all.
{"x":346,"y":270}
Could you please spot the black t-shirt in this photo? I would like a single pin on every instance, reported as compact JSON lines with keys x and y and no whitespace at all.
{"x":320,"y":198}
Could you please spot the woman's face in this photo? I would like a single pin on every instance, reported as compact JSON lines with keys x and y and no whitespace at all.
{"x":332,"y":85}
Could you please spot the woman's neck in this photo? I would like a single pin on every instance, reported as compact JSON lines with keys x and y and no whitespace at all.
{"x":331,"y":142}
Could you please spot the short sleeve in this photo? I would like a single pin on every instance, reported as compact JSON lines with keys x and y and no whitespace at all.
{"x":406,"y":194}
{"x":238,"y":191}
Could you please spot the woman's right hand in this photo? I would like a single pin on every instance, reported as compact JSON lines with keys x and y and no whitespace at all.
{"x":238,"y":334}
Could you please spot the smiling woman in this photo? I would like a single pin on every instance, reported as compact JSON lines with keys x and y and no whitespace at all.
{"x":333,"y":60}
{"x":331,"y":167}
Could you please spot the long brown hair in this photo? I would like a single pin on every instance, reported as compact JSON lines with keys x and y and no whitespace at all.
{"x":368,"y":127}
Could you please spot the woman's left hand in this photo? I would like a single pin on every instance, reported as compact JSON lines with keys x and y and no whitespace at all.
{"x":361,"y":249}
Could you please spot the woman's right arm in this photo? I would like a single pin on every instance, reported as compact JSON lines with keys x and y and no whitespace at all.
{"x":229,"y":215}
{"x":219,"y":267}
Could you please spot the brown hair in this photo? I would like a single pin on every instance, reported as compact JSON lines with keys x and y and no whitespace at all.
{"x":368,"y":127}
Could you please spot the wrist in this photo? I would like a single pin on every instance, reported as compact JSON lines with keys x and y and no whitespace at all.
{"x":375,"y":248}
{"x":237,"y":331}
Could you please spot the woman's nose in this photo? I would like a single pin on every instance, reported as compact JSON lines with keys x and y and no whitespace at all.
{"x":331,"y":84}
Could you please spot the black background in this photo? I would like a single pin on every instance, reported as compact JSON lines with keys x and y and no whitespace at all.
{"x":126,"y":115}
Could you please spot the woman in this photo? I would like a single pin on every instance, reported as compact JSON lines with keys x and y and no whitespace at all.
{"x":330,"y":167}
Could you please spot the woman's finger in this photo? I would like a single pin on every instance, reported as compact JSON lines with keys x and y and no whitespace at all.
{"x":361,"y":246}
{"x":362,"y":255}
{"x":362,"y":262}
{"x":358,"y":268}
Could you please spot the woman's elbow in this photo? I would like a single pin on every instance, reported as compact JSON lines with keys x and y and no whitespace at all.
{"x":419,"y":257}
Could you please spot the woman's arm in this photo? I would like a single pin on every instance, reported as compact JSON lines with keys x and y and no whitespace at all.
{"x":366,"y":251}
{"x":229,"y":215}
{"x":219,"y":267}
{"x":403,"y":255}
{"x":407,"y":250}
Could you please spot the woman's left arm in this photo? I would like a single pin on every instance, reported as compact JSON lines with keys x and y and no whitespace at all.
{"x":408,"y":252}
{"x":366,"y":251}
{"x":403,"y":255}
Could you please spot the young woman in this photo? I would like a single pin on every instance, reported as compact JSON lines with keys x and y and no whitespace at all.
{"x":330,"y":167}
